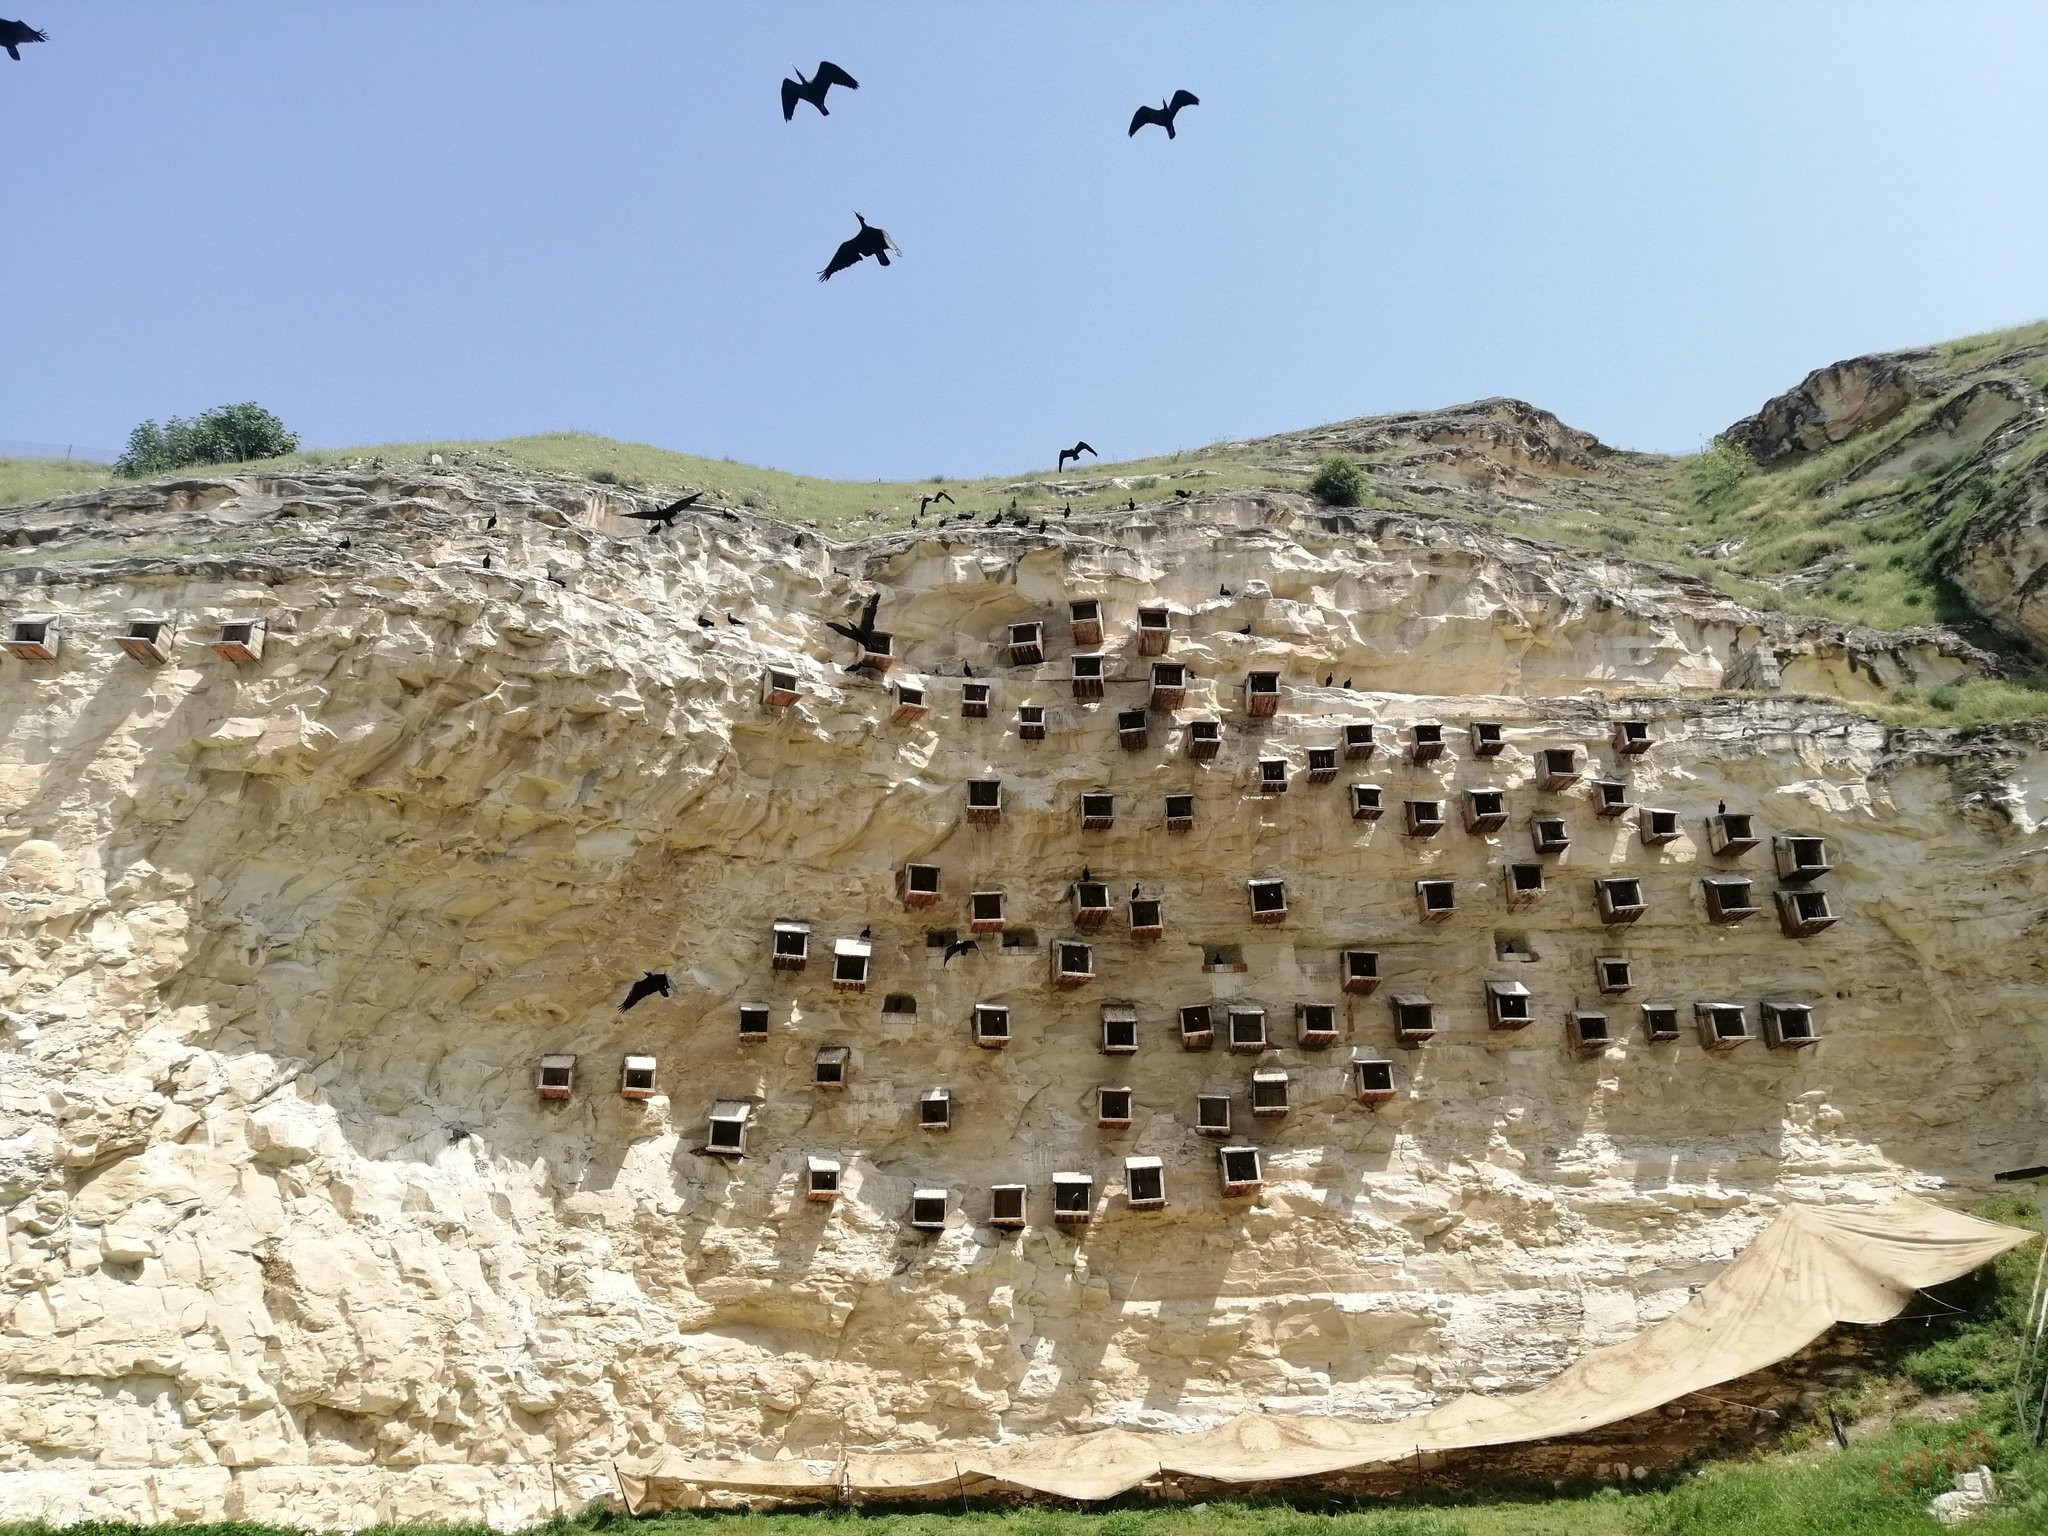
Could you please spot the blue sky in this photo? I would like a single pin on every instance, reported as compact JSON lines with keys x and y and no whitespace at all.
{"x":407,"y":219}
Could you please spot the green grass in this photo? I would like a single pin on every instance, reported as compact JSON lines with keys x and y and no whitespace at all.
{"x":24,"y":480}
{"x":840,"y":507}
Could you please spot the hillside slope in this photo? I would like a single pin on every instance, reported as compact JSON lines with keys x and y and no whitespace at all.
{"x":1893,"y":489}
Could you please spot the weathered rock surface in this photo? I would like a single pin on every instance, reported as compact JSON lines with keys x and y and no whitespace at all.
{"x":290,"y":1234}
{"x":1830,"y":406}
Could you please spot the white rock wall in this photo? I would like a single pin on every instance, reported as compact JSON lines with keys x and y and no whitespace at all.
{"x":280,"y":948}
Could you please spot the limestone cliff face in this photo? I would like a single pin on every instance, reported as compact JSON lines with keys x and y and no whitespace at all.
{"x":282,"y":945}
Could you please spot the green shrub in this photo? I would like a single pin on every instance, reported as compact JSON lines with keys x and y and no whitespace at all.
{"x":227,"y":434}
{"x":1339,"y":482}
{"x":1945,"y":698}
{"x":1715,"y":476}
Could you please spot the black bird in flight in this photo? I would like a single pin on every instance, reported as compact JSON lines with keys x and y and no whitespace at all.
{"x":646,"y":987}
{"x":1163,"y":115}
{"x":15,"y":33}
{"x":960,"y":947}
{"x":813,"y":90}
{"x":665,"y":517}
{"x":1074,"y":453}
{"x":862,"y":633}
{"x":871,"y":241}
{"x":924,"y":502}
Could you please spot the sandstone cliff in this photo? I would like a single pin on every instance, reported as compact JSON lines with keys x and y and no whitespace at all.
{"x":283,"y":943}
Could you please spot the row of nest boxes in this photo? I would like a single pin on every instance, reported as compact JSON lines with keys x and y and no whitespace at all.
{"x":1617,"y":900}
{"x":1359,"y":972}
{"x":40,"y":637}
{"x":1557,"y":766}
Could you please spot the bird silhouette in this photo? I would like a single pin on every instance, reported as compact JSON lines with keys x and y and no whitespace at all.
{"x":1041,"y":525}
{"x":346,"y":544}
{"x":1134,"y":893}
{"x":1164,"y":114}
{"x":1246,"y":630}
{"x":966,"y":670}
{"x":665,"y":517}
{"x":1183,"y":495}
{"x":735,"y":623}
{"x":813,"y":90}
{"x":490,"y":522}
{"x":1084,"y":874}
{"x":702,"y":622}
{"x":729,"y":516}
{"x":926,"y":501}
{"x":487,"y":562}
{"x":1130,"y":504}
{"x":798,"y":542}
{"x":862,"y":633}
{"x":871,"y":241}
{"x":1721,"y":809}
{"x":14,"y":33}
{"x":646,"y":987}
{"x":867,"y":933}
{"x":1067,"y":510}
{"x":1013,"y":503}
{"x":1074,"y":453}
{"x":960,"y":947}
{"x":1329,"y":678}
{"x":1222,"y":590}
{"x":1347,"y":684}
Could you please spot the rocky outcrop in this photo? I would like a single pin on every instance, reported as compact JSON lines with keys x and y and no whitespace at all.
{"x":1829,"y":406}
{"x":282,"y":945}
{"x":2001,"y":558}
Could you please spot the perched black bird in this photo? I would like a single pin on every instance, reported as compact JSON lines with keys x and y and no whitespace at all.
{"x":490,"y":522}
{"x":1721,"y":809}
{"x":1163,"y":114}
{"x":735,"y":623}
{"x":995,"y":517}
{"x":926,"y":501}
{"x":702,"y":622}
{"x":1246,"y":630}
{"x":1041,"y":525}
{"x":871,"y":241}
{"x":960,"y":947}
{"x":1131,"y":504}
{"x":1347,"y":683}
{"x":14,"y":33}
{"x":645,"y":987}
{"x":487,"y":562}
{"x":813,"y":90}
{"x":1222,"y":590}
{"x":1084,"y":874}
{"x":867,"y":933}
{"x":665,"y":517}
{"x":346,"y":544}
{"x":966,"y":669}
{"x":1013,"y":503}
{"x":1183,"y":495}
{"x":1067,"y":510}
{"x":1134,"y":893}
{"x":1329,"y":678}
{"x":1074,"y":453}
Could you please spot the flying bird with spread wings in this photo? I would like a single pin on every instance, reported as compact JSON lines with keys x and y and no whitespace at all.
{"x":1074,"y":453}
{"x":871,"y":241}
{"x":926,"y":501}
{"x":862,"y":633}
{"x":813,"y":90}
{"x":665,"y":517}
{"x":14,"y":33}
{"x":1164,"y":114}
{"x":646,"y":987}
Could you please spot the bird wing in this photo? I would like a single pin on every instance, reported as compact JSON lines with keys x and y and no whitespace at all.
{"x":847,"y":630}
{"x":1182,"y":99}
{"x":1146,"y":115}
{"x":1081,"y":448}
{"x":641,"y":988}
{"x":848,"y":253}
{"x":867,"y":614}
{"x":942,"y":496}
{"x":792,"y":93}
{"x":831,"y":74}
{"x":688,"y":501}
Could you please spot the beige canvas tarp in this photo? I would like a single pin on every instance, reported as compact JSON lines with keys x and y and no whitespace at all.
{"x":1810,"y":1269}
